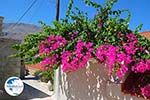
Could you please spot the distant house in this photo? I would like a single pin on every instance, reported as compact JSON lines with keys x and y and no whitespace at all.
{"x":1,"y":23}
{"x":146,"y":34}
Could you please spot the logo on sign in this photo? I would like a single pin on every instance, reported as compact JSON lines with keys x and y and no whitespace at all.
{"x":14,"y":86}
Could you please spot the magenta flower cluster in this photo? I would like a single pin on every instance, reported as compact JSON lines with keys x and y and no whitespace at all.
{"x":74,"y":60}
{"x":74,"y":35}
{"x":120,"y":60}
{"x":141,"y":66}
{"x":51,"y":43}
{"x":107,"y":54}
{"x":49,"y":62}
{"x":116,"y":61}
{"x":46,"y":47}
{"x":146,"y":91}
{"x":131,"y":45}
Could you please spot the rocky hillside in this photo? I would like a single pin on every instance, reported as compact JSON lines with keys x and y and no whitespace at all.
{"x":11,"y":30}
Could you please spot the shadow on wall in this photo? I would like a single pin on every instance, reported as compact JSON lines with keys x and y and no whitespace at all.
{"x":85,"y":84}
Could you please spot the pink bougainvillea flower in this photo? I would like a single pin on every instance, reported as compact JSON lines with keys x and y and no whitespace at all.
{"x":51,"y":43}
{"x":131,"y":37}
{"x":130,"y":48}
{"x":146,"y":91}
{"x":74,"y":35}
{"x":107,"y":54}
{"x":49,"y":62}
{"x":141,"y":66}
{"x":122,"y":71}
{"x":115,"y":59}
{"x":148,"y":64}
{"x":66,"y":61}
{"x":72,"y":61}
{"x":122,"y":57}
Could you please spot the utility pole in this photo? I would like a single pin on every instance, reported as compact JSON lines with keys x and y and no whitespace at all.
{"x":57,"y":9}
{"x":58,"y":71}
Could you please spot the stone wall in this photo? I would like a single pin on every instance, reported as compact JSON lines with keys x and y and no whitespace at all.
{"x":90,"y":83}
{"x":8,"y":66}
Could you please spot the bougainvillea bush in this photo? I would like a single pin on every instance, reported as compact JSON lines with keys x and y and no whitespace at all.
{"x":71,"y":42}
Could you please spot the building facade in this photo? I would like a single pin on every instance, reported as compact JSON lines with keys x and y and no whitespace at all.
{"x":1,"y":24}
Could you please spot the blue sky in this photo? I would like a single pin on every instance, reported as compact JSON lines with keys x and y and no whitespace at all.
{"x":44,"y":10}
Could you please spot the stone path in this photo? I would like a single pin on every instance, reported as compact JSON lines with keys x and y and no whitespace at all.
{"x":36,"y":90}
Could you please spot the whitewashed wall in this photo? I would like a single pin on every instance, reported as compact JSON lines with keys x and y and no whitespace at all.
{"x":90,"y":83}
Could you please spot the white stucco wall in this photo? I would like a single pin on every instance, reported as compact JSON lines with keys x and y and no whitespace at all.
{"x":90,"y":83}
